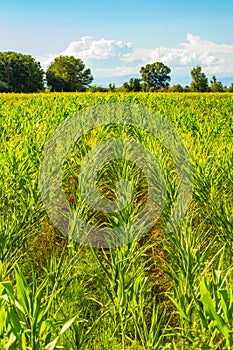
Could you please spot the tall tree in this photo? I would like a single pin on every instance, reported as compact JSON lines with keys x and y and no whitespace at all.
{"x":67,"y":73}
{"x":156,"y":76}
{"x":200,"y":81}
{"x":20,"y":73}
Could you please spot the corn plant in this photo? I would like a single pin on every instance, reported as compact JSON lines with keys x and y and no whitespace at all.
{"x":122,"y":308}
{"x":26,"y":316}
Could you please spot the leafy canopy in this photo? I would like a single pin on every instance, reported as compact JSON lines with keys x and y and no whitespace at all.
{"x":20,"y":73}
{"x":216,"y":86}
{"x":67,"y":73}
{"x":134,"y":85}
{"x":200,"y":81}
{"x":156,"y":76}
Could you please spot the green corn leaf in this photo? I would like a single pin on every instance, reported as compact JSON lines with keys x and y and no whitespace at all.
{"x":210,"y":309}
{"x":9,"y":289}
{"x":23,"y":292}
{"x":227,"y":308}
{"x":16,"y":326}
{"x":179,"y":308}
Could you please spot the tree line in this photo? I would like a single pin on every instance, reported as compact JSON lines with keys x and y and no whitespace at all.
{"x":22,"y":73}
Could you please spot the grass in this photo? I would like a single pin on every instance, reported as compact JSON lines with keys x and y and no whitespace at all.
{"x":161,"y":291}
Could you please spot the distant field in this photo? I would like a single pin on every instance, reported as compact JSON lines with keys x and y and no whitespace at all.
{"x":161,"y":292}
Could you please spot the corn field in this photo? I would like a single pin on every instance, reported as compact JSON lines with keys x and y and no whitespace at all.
{"x":160,"y":291}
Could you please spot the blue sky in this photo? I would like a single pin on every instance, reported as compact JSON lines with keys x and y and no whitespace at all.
{"x":128,"y":34}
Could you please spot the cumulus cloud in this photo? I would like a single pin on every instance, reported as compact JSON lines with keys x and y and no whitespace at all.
{"x":89,"y":49}
{"x":196,"y":51}
{"x":98,"y":54}
{"x":118,"y":58}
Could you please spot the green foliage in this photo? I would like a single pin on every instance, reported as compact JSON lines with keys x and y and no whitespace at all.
{"x":216,"y":86}
{"x":166,"y":291}
{"x":112,"y":87}
{"x":230,"y":89}
{"x":134,"y":85}
{"x":25,"y":313}
{"x":4,"y":87}
{"x":96,"y":88}
{"x":200,"y":81}
{"x":176,"y":88}
{"x":20,"y":73}
{"x":155,"y":76}
{"x":186,"y":88}
{"x":67,"y":73}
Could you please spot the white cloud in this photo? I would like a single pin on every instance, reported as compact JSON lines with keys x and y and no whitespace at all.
{"x":89,"y":49}
{"x":212,"y":57}
{"x":118,"y":58}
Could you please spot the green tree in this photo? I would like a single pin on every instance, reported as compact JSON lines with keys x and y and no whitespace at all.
{"x":176,"y":88}
{"x":20,"y":73}
{"x":97,"y":88}
{"x":4,"y":87}
{"x":230,"y":89}
{"x":134,"y":85}
{"x":216,"y":86}
{"x":156,"y":76}
{"x":200,"y":81}
{"x":67,"y":73}
{"x":112,"y":87}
